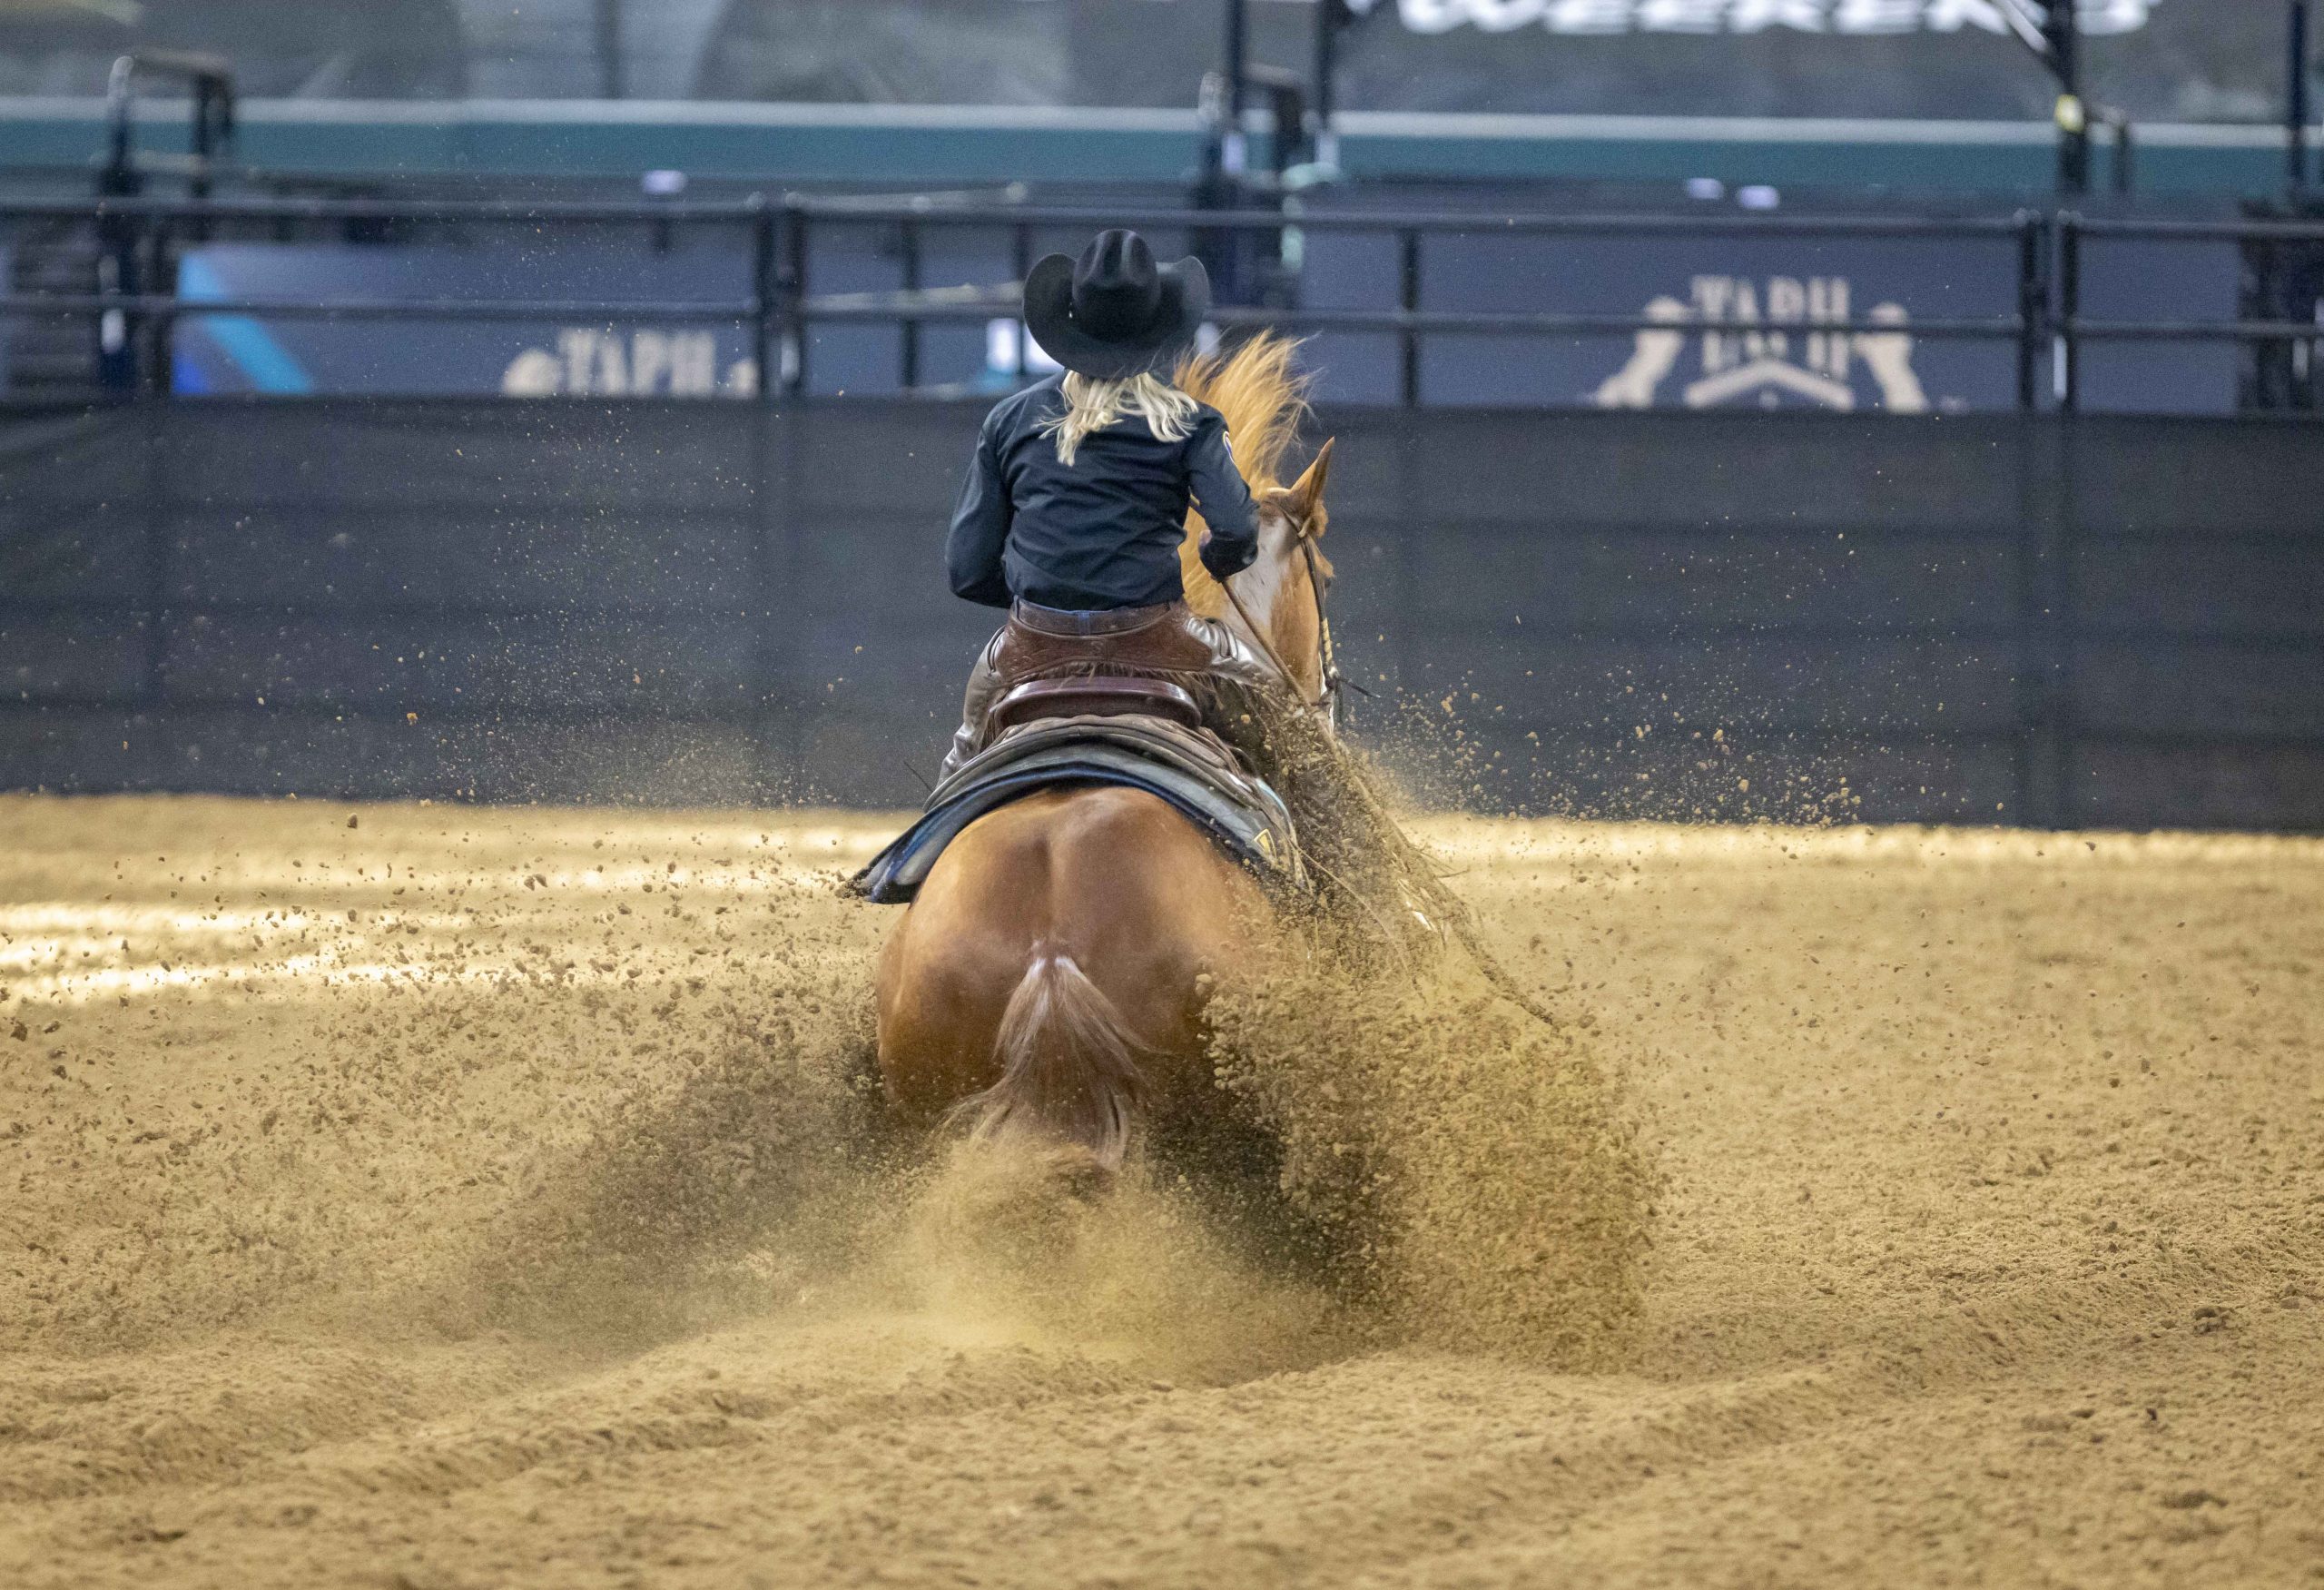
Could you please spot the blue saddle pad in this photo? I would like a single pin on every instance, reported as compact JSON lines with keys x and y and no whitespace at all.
{"x":1188,"y":769}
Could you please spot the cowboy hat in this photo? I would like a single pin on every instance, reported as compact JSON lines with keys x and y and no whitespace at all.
{"x":1114,"y":312}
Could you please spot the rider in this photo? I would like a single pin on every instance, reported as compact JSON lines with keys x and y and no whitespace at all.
{"x":1076,"y":501}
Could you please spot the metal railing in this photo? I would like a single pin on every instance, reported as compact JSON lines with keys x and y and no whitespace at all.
{"x":1408,"y":321}
{"x":154,"y":226}
{"x":2302,"y":338}
{"x":2047,"y":325}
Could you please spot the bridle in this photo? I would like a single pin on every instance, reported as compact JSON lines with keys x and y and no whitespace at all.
{"x":1327,"y":700}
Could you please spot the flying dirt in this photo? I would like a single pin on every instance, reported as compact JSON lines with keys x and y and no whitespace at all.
{"x":438,"y":1197}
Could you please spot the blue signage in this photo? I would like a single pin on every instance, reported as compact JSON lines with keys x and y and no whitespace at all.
{"x":1752,"y":322}
{"x":352,"y":352}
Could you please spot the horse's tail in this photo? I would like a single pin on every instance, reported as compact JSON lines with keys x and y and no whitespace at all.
{"x":1068,"y":1067}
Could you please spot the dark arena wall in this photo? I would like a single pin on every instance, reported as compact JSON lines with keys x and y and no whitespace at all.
{"x":2085,"y":621}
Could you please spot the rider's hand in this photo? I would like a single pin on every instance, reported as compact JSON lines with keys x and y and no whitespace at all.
{"x":1226,"y":560}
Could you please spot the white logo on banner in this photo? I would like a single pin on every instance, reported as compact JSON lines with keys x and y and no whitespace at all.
{"x":1853,"y":18}
{"x":606,"y":364}
{"x":1759,"y":343}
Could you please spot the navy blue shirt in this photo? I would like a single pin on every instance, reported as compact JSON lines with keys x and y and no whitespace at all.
{"x":1105,"y":532}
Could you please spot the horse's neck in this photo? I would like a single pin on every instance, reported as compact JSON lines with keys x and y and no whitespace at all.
{"x":1259,"y":588}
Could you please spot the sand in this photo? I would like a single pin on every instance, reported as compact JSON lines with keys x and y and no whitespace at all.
{"x":435,"y":1197}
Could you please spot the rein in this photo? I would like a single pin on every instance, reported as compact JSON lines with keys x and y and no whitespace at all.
{"x":1327,"y":701}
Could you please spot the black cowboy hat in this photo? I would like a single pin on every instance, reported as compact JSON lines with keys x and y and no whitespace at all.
{"x":1114,"y":312}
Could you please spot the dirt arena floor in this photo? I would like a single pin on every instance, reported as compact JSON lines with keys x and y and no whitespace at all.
{"x":435,"y":1198}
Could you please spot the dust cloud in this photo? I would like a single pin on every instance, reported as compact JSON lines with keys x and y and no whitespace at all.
{"x":436,"y":1197}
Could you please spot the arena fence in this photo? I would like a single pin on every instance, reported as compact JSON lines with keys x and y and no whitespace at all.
{"x":1370,"y":283}
{"x":2057,"y":620}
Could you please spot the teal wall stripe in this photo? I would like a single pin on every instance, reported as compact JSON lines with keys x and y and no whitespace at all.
{"x":853,"y":146}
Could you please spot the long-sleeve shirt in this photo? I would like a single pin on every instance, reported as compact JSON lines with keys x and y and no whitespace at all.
{"x":1103,"y":533}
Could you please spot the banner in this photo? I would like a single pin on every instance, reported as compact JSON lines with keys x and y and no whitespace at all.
{"x":353,"y":353}
{"x":1747,"y":322}
{"x":1734,"y":321}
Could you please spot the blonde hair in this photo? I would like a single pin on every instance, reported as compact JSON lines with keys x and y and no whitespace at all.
{"x":1091,"y":404}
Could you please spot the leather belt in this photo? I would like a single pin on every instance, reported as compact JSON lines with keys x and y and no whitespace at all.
{"x":1047,"y":642}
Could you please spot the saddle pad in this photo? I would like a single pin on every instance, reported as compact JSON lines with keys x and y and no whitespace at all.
{"x":1187,"y":769}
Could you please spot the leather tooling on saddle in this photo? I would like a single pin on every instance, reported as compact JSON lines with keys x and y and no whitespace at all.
{"x":1187,"y":768}
{"x":1096,"y":696}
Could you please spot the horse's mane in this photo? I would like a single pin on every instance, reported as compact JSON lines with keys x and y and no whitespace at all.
{"x":1262,"y":400}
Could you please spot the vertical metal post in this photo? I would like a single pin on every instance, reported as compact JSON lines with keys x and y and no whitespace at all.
{"x":2069,"y":343}
{"x":160,"y":273}
{"x":2050,"y":751}
{"x":769,"y":582}
{"x":2027,"y":677}
{"x":792,"y":561}
{"x":791,"y":285}
{"x":119,"y":360}
{"x":2295,"y":97}
{"x":1239,"y":51}
{"x":1408,"y":301}
{"x":759,"y":602}
{"x":1323,"y":142}
{"x":118,"y":173}
{"x":2038,"y":597}
{"x":2064,"y":552}
{"x":1020,"y":262}
{"x":763,"y":306}
{"x":910,"y":326}
{"x":153,"y":683}
{"x":205,"y":148}
{"x":2062,"y":30}
{"x":609,"y":52}
{"x":2032,"y":301}
{"x":112,"y":330}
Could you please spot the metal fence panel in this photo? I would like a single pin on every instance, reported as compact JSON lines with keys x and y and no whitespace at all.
{"x":2092,"y":619}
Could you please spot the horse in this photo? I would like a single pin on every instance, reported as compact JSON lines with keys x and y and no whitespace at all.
{"x":1048,"y":982}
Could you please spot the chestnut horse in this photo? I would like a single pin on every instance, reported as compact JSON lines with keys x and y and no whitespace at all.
{"x":1049,"y":979}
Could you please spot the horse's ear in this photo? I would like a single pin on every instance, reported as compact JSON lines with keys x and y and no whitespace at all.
{"x":1309,"y":489}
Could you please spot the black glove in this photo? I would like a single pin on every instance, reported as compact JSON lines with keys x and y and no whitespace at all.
{"x":1226,"y":559}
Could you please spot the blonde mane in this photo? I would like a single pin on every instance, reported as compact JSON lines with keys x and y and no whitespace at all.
{"x":1264,"y":401}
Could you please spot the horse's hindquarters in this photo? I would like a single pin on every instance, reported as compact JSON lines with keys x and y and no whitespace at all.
{"x":1050,"y":963}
